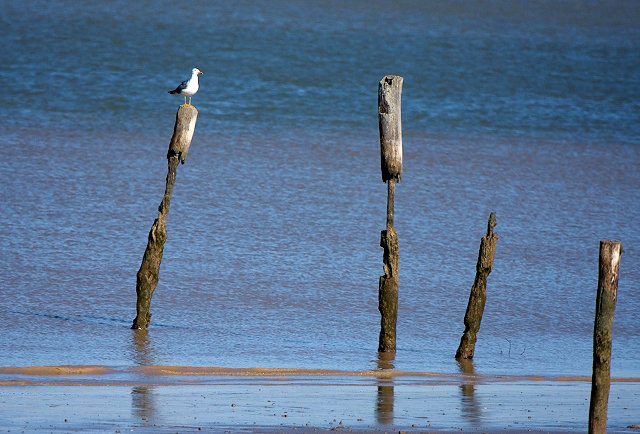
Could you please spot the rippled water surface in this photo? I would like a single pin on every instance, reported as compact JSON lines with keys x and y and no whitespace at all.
{"x":528,"y":109}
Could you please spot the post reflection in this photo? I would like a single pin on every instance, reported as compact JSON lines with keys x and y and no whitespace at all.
{"x":143,"y":404}
{"x":385,"y":398}
{"x":471,"y":409}
{"x":142,"y":351}
{"x":385,"y":361}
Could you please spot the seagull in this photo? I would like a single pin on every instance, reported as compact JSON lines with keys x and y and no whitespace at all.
{"x":188,"y":88}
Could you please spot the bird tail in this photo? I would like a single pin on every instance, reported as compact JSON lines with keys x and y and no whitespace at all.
{"x":173,"y":92}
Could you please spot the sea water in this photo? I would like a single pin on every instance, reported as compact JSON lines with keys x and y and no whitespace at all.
{"x":529,"y":109}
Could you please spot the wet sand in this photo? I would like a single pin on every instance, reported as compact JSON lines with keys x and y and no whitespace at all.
{"x":194,"y":399}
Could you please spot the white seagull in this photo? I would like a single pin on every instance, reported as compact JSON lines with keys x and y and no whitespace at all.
{"x":188,"y":88}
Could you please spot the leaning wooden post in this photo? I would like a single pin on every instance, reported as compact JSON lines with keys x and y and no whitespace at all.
{"x":609,"y":267}
{"x":147,"y":278}
{"x":478,"y":296}
{"x":390,"y":124}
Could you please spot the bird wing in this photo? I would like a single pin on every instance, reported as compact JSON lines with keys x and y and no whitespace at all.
{"x":180,"y":87}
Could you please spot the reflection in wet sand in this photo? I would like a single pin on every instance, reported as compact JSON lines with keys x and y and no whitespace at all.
{"x":385,"y":398}
{"x":143,"y":405}
{"x":384,"y":403}
{"x":470,"y":407}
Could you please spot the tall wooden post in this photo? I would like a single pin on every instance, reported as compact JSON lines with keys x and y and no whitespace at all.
{"x":609,"y":266}
{"x":147,"y":277}
{"x":478,"y":296}
{"x":390,"y":124}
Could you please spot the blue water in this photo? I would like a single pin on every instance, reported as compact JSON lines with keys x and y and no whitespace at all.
{"x":529,"y":109}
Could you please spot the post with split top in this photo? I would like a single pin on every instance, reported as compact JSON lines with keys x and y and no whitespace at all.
{"x":390,"y":125}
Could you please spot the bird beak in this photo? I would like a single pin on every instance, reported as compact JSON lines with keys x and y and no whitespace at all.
{"x":200,"y":72}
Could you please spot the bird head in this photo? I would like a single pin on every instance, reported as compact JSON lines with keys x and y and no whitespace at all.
{"x":196,"y":71}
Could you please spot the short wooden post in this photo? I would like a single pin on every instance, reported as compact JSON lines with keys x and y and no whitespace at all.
{"x":478,"y":296}
{"x":390,"y":125}
{"x":147,"y":277}
{"x":609,"y":266}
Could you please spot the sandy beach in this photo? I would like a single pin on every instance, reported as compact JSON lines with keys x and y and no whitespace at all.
{"x":215,"y":399}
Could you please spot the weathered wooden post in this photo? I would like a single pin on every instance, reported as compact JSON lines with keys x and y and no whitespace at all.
{"x":609,"y":266}
{"x":147,"y":278}
{"x":478,"y":296}
{"x":390,"y":124}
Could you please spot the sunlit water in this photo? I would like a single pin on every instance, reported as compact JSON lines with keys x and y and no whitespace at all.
{"x":528,"y":109}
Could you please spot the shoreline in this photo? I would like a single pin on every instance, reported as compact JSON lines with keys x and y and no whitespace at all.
{"x":98,"y":371}
{"x":213,"y":399}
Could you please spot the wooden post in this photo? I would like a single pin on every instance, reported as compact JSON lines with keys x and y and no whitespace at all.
{"x":388,"y":291}
{"x":147,"y":277}
{"x":478,"y":296}
{"x":183,"y":132}
{"x":609,"y":266}
{"x":390,"y":125}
